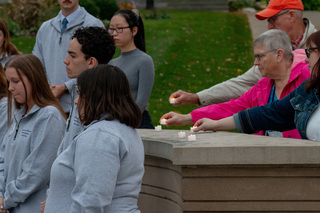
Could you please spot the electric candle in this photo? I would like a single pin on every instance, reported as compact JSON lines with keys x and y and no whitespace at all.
{"x":158,"y":128}
{"x":172,"y":100}
{"x":181,"y":134}
{"x":192,"y":128}
{"x":191,"y":137}
{"x":163,"y":121}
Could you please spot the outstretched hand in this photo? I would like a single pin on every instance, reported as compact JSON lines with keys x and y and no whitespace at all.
{"x":184,"y":98}
{"x":176,"y":119}
{"x":204,"y":124}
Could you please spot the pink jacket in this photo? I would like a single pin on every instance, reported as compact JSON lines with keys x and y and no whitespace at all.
{"x":258,"y":95}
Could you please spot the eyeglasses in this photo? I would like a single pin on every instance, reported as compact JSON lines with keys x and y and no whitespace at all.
{"x":310,"y":50}
{"x":272,"y":19}
{"x":118,"y":30}
{"x":261,"y":55}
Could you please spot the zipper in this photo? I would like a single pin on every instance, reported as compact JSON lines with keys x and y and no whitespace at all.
{"x":17,"y":128}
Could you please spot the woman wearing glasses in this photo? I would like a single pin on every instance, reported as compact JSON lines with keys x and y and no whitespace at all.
{"x":126,"y":28}
{"x":282,"y":73}
{"x":300,"y":109}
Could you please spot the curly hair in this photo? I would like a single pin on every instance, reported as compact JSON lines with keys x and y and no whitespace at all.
{"x":96,"y":42}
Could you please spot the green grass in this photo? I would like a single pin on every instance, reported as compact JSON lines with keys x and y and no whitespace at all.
{"x":191,"y":51}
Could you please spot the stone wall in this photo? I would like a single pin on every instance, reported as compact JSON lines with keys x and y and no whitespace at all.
{"x":229,"y":172}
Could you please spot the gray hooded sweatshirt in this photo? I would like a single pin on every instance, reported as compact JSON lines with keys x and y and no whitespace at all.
{"x":26,"y":155}
{"x":101,"y":171}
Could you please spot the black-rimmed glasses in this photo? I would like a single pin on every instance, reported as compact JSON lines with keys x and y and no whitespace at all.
{"x":261,"y":55}
{"x":118,"y":30}
{"x":272,"y":19}
{"x":308,"y":51}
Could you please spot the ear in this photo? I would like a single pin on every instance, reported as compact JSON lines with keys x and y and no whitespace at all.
{"x":280,"y":54}
{"x":292,"y":15}
{"x":134,"y":31}
{"x":92,"y":62}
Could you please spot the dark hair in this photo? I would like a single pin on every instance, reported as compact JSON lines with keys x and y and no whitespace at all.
{"x":105,"y":90}
{"x":315,"y":72}
{"x":95,"y":42}
{"x":3,"y":83}
{"x":134,"y":20}
{"x":32,"y":68}
{"x":7,"y":47}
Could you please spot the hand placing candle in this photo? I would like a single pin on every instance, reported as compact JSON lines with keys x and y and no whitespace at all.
{"x":192,"y":128}
{"x":163,"y":121}
{"x":191,"y":137}
{"x":172,"y":100}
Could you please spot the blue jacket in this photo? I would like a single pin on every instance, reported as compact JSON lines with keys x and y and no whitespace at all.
{"x":52,"y":45}
{"x":293,"y":111}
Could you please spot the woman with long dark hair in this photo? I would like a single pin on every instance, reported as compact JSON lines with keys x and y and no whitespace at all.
{"x":30,"y":145}
{"x":102,"y":169}
{"x":7,"y":49}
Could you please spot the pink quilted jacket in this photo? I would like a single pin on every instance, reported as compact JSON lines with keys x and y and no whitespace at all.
{"x":258,"y":95}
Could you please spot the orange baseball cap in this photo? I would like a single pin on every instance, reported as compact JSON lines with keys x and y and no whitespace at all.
{"x":275,"y":6}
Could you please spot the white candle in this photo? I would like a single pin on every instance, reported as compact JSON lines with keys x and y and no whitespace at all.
{"x":158,"y":128}
{"x":192,"y":128}
{"x":181,"y":134}
{"x":163,"y":121}
{"x":172,"y":100}
{"x":191,"y":137}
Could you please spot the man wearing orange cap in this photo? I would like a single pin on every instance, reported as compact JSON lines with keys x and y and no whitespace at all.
{"x":284,"y":15}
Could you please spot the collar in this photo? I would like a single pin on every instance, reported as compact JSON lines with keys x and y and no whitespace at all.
{"x":70,"y":17}
{"x":19,"y":114}
{"x":298,"y":41}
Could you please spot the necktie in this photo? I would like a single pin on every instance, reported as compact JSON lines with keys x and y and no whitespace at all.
{"x":64,"y":25}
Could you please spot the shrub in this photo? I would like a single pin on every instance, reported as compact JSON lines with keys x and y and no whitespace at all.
{"x":311,"y":4}
{"x":102,"y":9}
{"x":235,"y":5}
{"x":91,"y":7}
{"x":29,"y":14}
{"x":107,"y":8}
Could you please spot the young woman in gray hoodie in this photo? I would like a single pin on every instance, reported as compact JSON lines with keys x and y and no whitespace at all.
{"x":102,"y":169}
{"x":31,"y":142}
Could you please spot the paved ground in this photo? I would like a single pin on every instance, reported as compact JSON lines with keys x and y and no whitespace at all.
{"x":258,"y":27}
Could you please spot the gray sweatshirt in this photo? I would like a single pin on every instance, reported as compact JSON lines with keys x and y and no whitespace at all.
{"x":3,"y":117}
{"x":74,"y":126}
{"x":26,"y":155}
{"x":52,"y":45}
{"x":139,"y":69}
{"x":101,"y":171}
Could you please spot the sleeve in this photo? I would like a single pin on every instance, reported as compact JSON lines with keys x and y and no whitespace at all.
{"x":37,"y":49}
{"x":146,"y":79}
{"x":96,"y":167}
{"x":69,"y":84}
{"x":2,"y":178}
{"x":230,"y":89}
{"x":36,"y":167}
{"x":223,"y":110}
{"x":278,"y":115}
